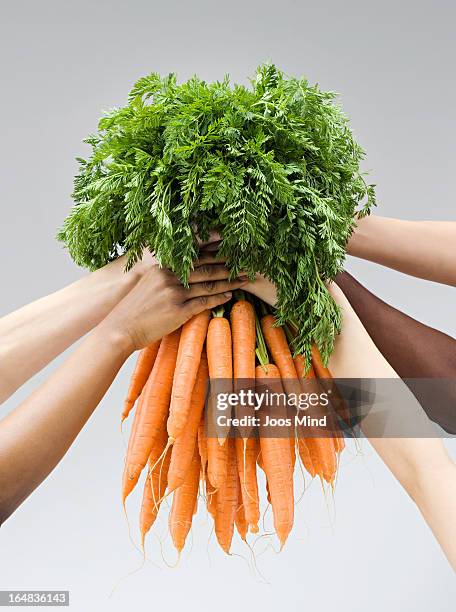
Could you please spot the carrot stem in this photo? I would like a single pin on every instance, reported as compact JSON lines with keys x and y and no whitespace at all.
{"x":261,"y":350}
{"x":218,"y":312}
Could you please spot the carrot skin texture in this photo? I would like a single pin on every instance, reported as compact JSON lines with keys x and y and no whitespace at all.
{"x":240,"y":520}
{"x":219,"y":349}
{"x":227,"y":501}
{"x":243,"y":330}
{"x":141,"y":372}
{"x":305,"y":457}
{"x":220,"y":358}
{"x":202,"y":446}
{"x":278,"y":346}
{"x":155,"y":485}
{"x":191,"y":344}
{"x":211,"y":499}
{"x":217,"y":462}
{"x":318,"y":455}
{"x":340,"y":406}
{"x":247,"y":451}
{"x":278,"y":467}
{"x":184,"y":500}
{"x":242,"y":318}
{"x":183,"y":447}
{"x":154,"y":410}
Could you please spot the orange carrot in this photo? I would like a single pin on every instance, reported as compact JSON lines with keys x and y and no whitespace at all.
{"x":149,"y":420}
{"x":293,"y":452}
{"x":188,"y":360}
{"x":278,"y":346}
{"x":260,"y":460}
{"x":323,"y":457}
{"x":305,"y":456}
{"x":242,"y":318}
{"x":317,"y":454}
{"x":337,"y":400}
{"x":155,"y":484}
{"x":140,"y":375}
{"x":202,"y":446}
{"x":240,"y":520}
{"x":227,"y":501}
{"x":277,"y":460}
{"x":217,"y":457}
{"x":183,"y":506}
{"x":211,"y":499}
{"x":183,"y":447}
{"x":219,"y":352}
{"x":300,"y":366}
{"x":220,"y":361}
{"x":247,"y":451}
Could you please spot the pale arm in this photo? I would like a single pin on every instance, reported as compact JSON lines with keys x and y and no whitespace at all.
{"x":34,"y":335}
{"x":37,"y":434}
{"x":421,"y":465}
{"x":426,"y":249}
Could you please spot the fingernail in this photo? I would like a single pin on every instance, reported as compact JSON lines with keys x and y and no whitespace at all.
{"x":227,"y":294}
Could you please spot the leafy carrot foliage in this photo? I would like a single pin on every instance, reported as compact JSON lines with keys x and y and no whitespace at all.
{"x":274,"y":167}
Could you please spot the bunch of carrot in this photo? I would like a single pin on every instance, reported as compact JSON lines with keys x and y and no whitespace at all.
{"x":169,"y":386}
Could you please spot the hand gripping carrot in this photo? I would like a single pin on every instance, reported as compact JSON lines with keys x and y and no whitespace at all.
{"x":277,"y":461}
{"x":183,"y":506}
{"x":154,"y":410}
{"x":183,"y":447}
{"x":188,"y":359}
{"x":143,"y":368}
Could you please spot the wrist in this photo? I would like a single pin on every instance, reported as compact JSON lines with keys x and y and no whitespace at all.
{"x":118,"y":339}
{"x":263,"y":288}
{"x":362,"y":236}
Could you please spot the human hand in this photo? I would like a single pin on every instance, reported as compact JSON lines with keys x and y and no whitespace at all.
{"x":261,"y":287}
{"x":158,"y":303}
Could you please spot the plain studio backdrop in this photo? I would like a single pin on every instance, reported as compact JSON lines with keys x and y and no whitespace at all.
{"x":63,"y":63}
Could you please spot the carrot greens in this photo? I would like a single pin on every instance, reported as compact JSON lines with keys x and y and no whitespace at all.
{"x":273,"y":167}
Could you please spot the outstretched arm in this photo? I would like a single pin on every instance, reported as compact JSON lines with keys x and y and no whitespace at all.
{"x":34,"y":335}
{"x":421,"y":465}
{"x":413,"y":349}
{"x":35,"y":436}
{"x":426,"y":249}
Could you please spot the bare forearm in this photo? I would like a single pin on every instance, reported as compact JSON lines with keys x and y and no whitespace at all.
{"x":420,"y":464}
{"x":34,"y":335}
{"x":435,"y":496}
{"x":414,"y":350}
{"x":35,"y":436}
{"x":426,"y":249}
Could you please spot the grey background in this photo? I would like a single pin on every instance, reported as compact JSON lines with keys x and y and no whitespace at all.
{"x":62,"y":63}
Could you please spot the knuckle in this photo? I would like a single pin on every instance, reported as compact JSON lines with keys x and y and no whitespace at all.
{"x":206,"y":270}
{"x":173,"y":292}
{"x":209,"y":286}
{"x":202,"y":300}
